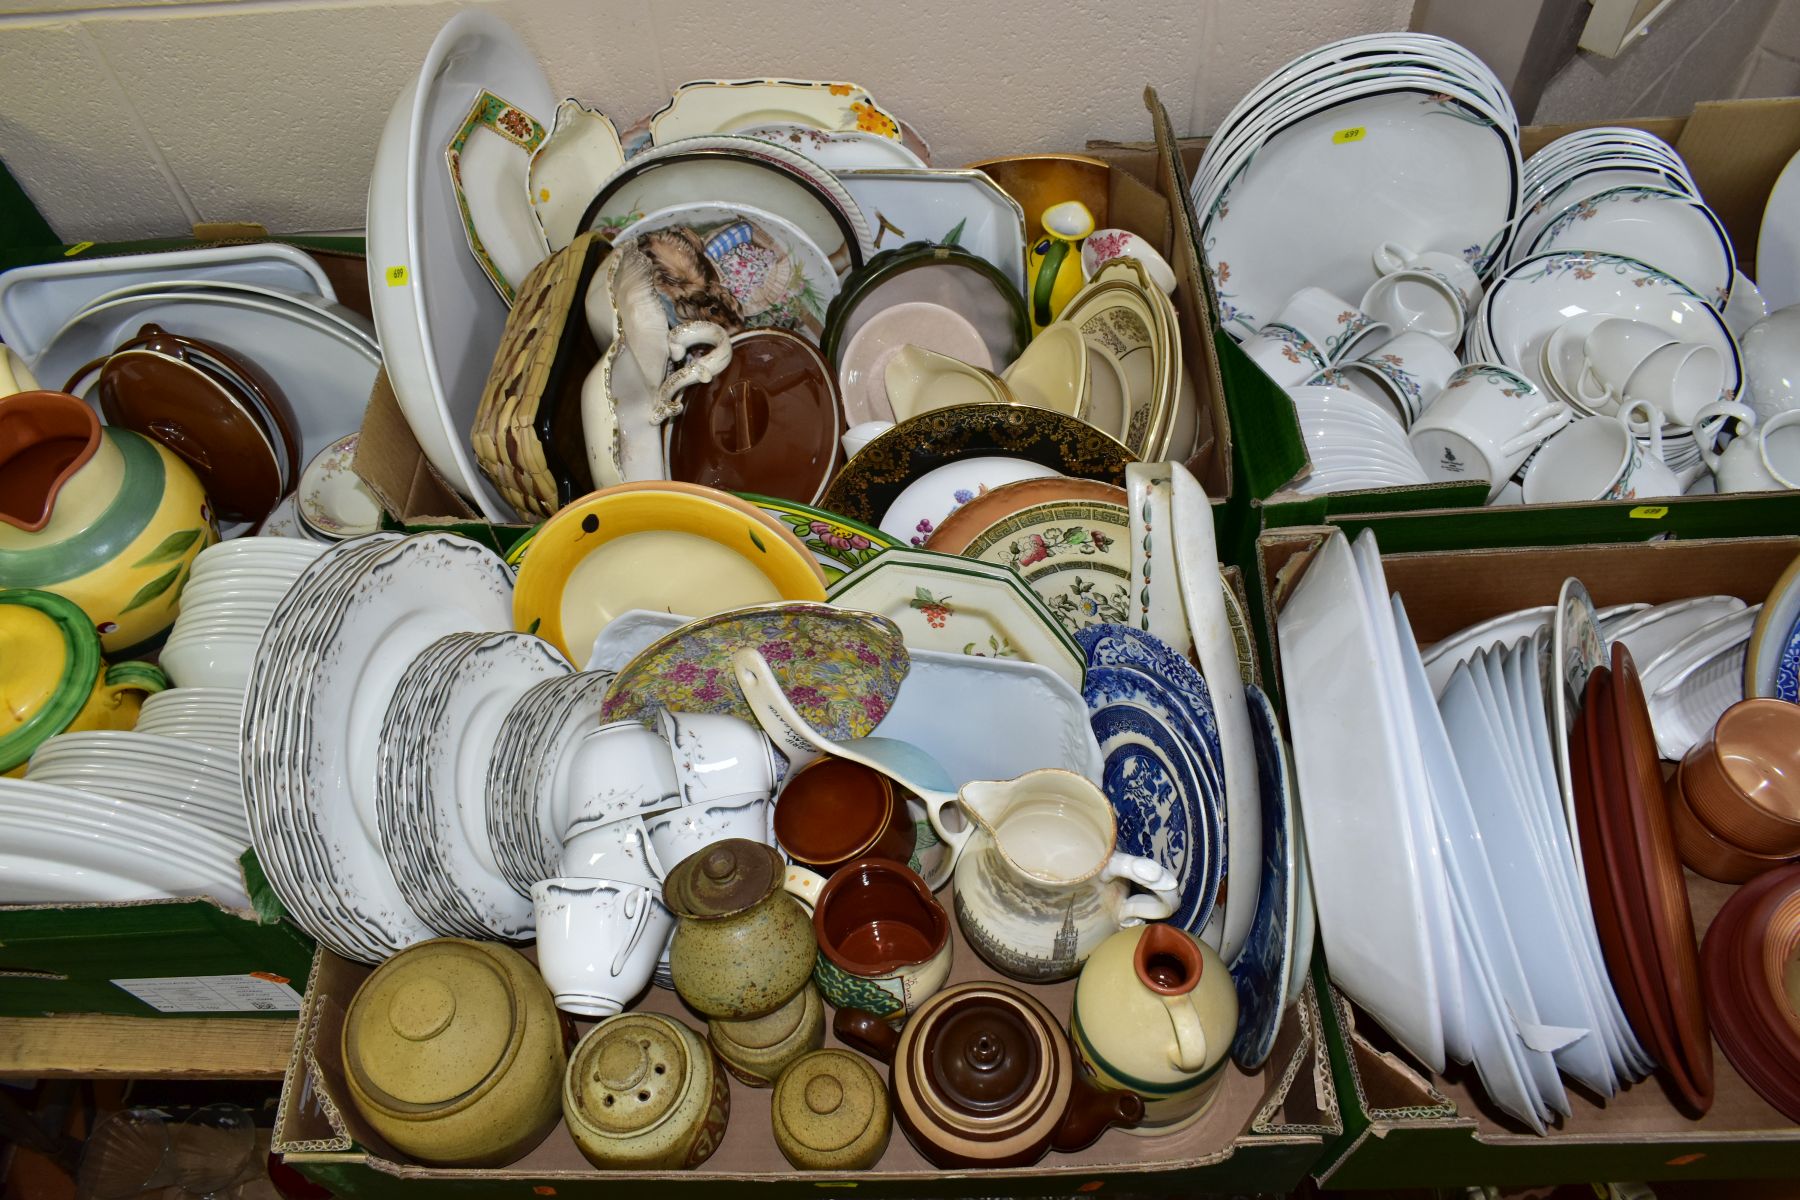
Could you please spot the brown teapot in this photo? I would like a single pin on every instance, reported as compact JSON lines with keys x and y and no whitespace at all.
{"x":983,"y":1076}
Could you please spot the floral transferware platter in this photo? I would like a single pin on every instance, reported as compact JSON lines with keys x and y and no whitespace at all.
{"x":1678,"y":233}
{"x":838,"y":149}
{"x":738,"y":266}
{"x":489,"y":157}
{"x":617,"y":550}
{"x":841,"y":669}
{"x":731,"y":105}
{"x":1069,"y":539}
{"x":943,"y":207}
{"x":839,"y":544}
{"x":580,"y":151}
{"x":332,"y":500}
{"x":941,"y":602}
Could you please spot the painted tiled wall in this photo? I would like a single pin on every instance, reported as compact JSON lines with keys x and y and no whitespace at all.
{"x":131,"y":118}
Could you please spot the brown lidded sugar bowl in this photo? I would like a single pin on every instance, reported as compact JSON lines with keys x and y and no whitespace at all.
{"x":453,"y":1050}
{"x":743,"y":946}
{"x":757,"y":1051}
{"x":644,"y":1093}
{"x":833,"y":811}
{"x":983,"y":1076}
{"x":830,"y":1112}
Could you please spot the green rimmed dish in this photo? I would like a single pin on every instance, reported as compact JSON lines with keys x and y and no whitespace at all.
{"x":839,"y":544}
{"x":947,"y":276}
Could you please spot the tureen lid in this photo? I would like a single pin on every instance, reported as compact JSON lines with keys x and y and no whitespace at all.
{"x":828,"y":1100}
{"x":432,"y":1024}
{"x":724,"y":878}
{"x":629,"y":1073}
{"x":49,"y":656}
{"x":984,"y":1058}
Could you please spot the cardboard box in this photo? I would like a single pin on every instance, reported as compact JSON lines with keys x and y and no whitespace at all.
{"x":66,"y":958}
{"x":1263,"y":1133}
{"x":1407,"y":1128}
{"x":1735,"y":150}
{"x":1148,"y":196}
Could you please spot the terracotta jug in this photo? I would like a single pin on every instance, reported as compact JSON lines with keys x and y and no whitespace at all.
{"x":102,"y":516}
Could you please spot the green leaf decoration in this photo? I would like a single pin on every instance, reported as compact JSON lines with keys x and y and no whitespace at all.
{"x":153,"y":589}
{"x":757,"y":542}
{"x":171,"y":548}
{"x":535,"y":622}
{"x":954,"y":237}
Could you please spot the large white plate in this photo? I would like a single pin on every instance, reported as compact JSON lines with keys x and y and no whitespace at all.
{"x":1359,"y":839}
{"x":958,"y":208}
{"x":458,"y":314}
{"x":1778,"y":242}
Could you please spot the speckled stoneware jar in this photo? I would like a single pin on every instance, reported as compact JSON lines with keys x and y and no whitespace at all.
{"x":758,"y":1050}
{"x":644,"y":1093}
{"x":742,"y":947}
{"x":453,"y":1050}
{"x":830,"y":1112}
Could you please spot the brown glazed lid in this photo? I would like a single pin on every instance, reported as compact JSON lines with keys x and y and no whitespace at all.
{"x":431,"y":1026}
{"x":768,"y":423}
{"x":833,"y":810}
{"x":983,"y":1063}
{"x":828,"y":1100}
{"x":723,"y":879}
{"x":629,"y":1074}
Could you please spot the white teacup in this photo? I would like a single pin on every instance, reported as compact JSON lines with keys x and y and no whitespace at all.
{"x":1285,"y":354}
{"x":1414,"y":301}
{"x":1454,"y":271}
{"x":598,"y":941}
{"x":615,"y":850}
{"x":1596,"y":458}
{"x":676,"y":834}
{"x":617,"y":770}
{"x":1337,"y":327}
{"x":1614,"y":350}
{"x":1641,"y":412}
{"x":1415,"y":367}
{"x":717,"y":755}
{"x":1484,"y":425}
{"x":1679,"y":379}
{"x":1765,"y":460}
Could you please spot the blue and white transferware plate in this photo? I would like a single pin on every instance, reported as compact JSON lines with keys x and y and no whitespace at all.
{"x":1128,"y":648}
{"x":1263,"y":968}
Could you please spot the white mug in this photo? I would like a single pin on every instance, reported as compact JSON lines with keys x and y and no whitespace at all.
{"x":1415,"y":367}
{"x":1336,"y":326}
{"x":598,"y":941}
{"x":1766,"y":460}
{"x":615,"y":850}
{"x":1455,"y":271}
{"x":1285,"y":354}
{"x":1679,"y":379}
{"x":675,"y":835}
{"x":1614,"y":349}
{"x":1483,"y":426}
{"x":1596,"y":458}
{"x":717,"y":755}
{"x":1414,"y":301}
{"x":617,"y":770}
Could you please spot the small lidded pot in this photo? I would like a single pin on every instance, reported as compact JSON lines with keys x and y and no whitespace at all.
{"x":743,"y":946}
{"x":983,"y":1077}
{"x":1156,"y":1011}
{"x":644,"y":1093}
{"x":830,"y":1113}
{"x":833,"y":811}
{"x":757,"y":1051}
{"x":452,"y":1050}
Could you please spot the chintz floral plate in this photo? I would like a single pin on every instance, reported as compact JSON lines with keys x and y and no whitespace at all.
{"x":941,"y":602}
{"x":839,"y":544}
{"x":841,"y":669}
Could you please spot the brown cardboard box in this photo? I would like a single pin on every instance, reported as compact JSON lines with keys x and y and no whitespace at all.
{"x":1407,"y":1128}
{"x":1263,"y":1132}
{"x":1147,"y":195}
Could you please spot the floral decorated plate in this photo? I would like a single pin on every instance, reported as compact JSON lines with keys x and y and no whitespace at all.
{"x":489,"y":157}
{"x":1118,"y":314}
{"x":941,"y":602}
{"x":945,"y":208}
{"x":933,"y":497}
{"x":731,"y":105}
{"x":332,"y":501}
{"x":1067,"y":538}
{"x":841,"y":669}
{"x":1676,"y":232}
{"x":736,"y":265}
{"x":617,"y":550}
{"x":838,"y":149}
{"x":839,"y":544}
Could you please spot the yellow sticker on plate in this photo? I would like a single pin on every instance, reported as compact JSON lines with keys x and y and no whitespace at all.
{"x":1650,"y":512}
{"x":397,"y":276}
{"x":1352,"y":134}
{"x":77,"y":248}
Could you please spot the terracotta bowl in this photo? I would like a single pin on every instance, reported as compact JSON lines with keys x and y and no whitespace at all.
{"x":1765,"y":1052}
{"x":1776,"y":987}
{"x":1744,"y":781}
{"x":1705,"y":851}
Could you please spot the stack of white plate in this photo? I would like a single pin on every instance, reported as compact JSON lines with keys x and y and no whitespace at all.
{"x":527,"y":772}
{"x":62,"y":845}
{"x":431,"y":795}
{"x":225,"y":603}
{"x":210,"y":716}
{"x":1412,"y":138}
{"x":1451,"y":898}
{"x":1353,"y":442}
{"x":325,"y":672}
{"x":185,"y":780}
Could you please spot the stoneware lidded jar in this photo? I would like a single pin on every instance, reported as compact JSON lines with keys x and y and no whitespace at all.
{"x":830,"y":1112}
{"x":983,"y":1077}
{"x":757,"y":1051}
{"x":644,"y":1093}
{"x":453,"y":1050}
{"x":1156,"y":1012}
{"x":743,"y":946}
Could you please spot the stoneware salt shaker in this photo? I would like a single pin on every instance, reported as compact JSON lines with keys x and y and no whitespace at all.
{"x":644,"y":1093}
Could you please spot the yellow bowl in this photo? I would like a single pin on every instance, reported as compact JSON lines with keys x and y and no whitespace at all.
{"x":679,"y":552}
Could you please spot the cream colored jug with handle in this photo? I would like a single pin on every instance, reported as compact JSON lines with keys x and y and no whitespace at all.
{"x":15,"y":376}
